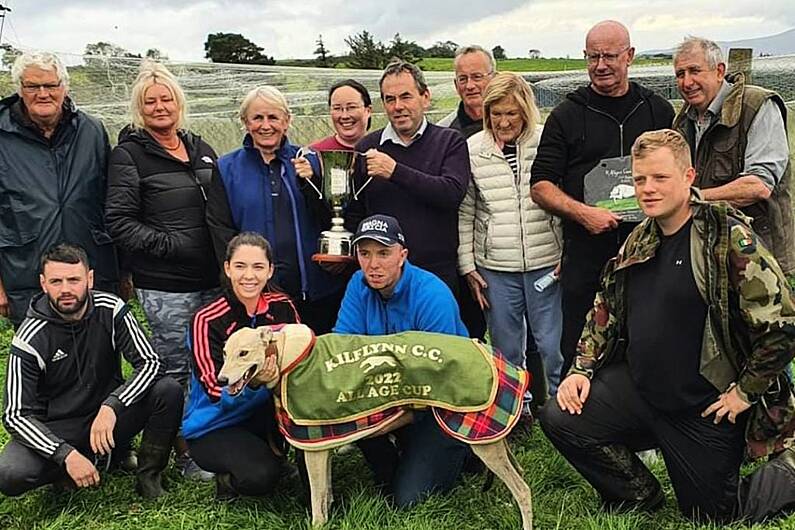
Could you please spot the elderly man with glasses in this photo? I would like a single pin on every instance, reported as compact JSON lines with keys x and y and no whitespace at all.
{"x":474,"y":68}
{"x":52,"y":181}
{"x":584,"y":153}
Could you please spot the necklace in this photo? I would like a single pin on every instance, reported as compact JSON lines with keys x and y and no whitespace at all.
{"x":176,"y":147}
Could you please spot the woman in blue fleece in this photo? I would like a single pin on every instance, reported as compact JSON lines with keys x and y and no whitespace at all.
{"x":233,"y":435}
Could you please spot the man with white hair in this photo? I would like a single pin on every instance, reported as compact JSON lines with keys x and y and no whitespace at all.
{"x":474,"y":68}
{"x":52,"y":181}
{"x":738,"y":139}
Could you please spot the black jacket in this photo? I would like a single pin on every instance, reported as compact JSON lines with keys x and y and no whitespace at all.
{"x":61,"y":370}
{"x":577,"y":135}
{"x":51,"y":191}
{"x":155,"y":212}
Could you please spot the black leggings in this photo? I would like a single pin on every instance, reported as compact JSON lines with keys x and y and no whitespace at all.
{"x":243,"y":452}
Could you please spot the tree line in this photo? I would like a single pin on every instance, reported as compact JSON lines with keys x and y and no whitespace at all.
{"x":364,"y":51}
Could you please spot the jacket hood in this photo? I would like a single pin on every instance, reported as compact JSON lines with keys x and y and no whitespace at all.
{"x":582,"y":96}
{"x":41,"y":309}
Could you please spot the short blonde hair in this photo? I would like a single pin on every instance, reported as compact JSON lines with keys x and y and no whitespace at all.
{"x":651,"y":141}
{"x":271,"y":95}
{"x":506,"y":84}
{"x":154,"y":73}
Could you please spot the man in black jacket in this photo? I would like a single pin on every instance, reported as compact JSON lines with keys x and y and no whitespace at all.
{"x":52,"y":181}
{"x":588,"y":136}
{"x":66,"y":402}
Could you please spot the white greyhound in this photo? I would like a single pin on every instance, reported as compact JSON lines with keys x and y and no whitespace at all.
{"x":244,"y":355}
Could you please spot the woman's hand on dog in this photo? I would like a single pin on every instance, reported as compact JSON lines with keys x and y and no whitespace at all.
{"x":269,"y":375}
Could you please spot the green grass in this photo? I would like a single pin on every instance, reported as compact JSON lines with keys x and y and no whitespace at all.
{"x":562,"y":500}
{"x":442,"y":64}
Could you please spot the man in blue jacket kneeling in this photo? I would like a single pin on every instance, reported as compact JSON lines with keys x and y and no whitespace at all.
{"x":390,"y":295}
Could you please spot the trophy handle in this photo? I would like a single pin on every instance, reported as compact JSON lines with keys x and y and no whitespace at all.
{"x":354,"y":191}
{"x":301,"y":153}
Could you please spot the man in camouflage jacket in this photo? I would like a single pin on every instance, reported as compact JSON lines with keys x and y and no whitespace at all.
{"x":668,"y":352}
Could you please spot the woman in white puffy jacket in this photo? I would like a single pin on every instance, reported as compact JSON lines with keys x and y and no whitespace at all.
{"x":508,"y":243}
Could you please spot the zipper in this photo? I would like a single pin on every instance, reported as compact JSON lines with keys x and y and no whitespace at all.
{"x":619,"y":123}
{"x":518,"y":186}
{"x":298,"y":246}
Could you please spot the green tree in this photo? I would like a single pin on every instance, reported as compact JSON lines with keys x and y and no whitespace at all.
{"x":102,"y":54}
{"x":498,"y":52}
{"x":156,"y":54}
{"x":366,"y":52}
{"x":322,"y":53}
{"x":234,"y":48}
{"x":10,"y":54}
{"x":442,"y":49}
{"x":407,"y":50}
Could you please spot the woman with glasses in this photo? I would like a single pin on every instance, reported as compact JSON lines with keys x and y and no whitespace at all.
{"x":351,"y":110}
{"x":509,"y":247}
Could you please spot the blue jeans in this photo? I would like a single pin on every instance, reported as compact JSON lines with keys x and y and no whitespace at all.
{"x":422,"y":460}
{"x":515,"y":306}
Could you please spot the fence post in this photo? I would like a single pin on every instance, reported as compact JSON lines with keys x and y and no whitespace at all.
{"x":740,"y":60}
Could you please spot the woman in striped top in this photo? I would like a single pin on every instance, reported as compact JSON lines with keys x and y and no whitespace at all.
{"x":234,"y":435}
{"x":506,"y":242}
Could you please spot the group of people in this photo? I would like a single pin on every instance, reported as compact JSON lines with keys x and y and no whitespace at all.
{"x":644,"y":334}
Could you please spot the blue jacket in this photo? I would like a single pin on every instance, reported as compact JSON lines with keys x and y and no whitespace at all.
{"x":420,"y":302}
{"x":251,"y":206}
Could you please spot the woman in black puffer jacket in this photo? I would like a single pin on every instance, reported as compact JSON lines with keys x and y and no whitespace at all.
{"x":158,"y":180}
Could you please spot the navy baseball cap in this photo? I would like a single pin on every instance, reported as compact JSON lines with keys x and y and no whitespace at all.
{"x":382,"y":228}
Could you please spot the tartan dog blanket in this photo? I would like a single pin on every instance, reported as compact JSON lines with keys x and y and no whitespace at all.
{"x":345,"y":387}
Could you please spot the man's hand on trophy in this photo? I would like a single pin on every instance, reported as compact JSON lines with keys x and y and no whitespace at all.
{"x":379,"y":164}
{"x":302,"y":167}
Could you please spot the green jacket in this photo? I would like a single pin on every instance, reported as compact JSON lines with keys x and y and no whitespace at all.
{"x":720,"y":159}
{"x":749,"y":336}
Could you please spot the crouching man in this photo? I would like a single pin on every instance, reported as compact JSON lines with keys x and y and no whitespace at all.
{"x":66,"y":402}
{"x":685,"y":350}
{"x":390,"y":295}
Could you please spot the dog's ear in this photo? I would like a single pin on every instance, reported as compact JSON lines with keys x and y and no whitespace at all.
{"x":265,"y":334}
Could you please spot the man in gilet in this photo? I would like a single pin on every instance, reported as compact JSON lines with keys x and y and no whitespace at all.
{"x":738,"y":141}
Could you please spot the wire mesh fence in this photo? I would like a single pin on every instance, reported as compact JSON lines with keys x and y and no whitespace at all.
{"x":101,"y":86}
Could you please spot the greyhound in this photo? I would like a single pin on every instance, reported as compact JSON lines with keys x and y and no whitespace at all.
{"x":244,"y":356}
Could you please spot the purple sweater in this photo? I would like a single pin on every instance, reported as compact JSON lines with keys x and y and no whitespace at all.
{"x":423,"y":194}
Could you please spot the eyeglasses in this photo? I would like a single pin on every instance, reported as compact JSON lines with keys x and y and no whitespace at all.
{"x":47,"y":87}
{"x":476,"y":78}
{"x":350,"y":109}
{"x":608,"y":58}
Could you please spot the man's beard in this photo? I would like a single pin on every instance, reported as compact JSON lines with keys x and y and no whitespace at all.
{"x":70,"y":310}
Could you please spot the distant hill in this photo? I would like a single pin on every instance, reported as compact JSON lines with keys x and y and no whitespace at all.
{"x":780,"y":44}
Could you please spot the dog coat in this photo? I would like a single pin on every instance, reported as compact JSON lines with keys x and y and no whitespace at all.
{"x":341,"y":388}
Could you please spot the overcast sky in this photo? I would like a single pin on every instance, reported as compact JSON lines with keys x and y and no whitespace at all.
{"x":289,"y":28}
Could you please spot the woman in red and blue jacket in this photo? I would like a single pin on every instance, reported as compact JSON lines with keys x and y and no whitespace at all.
{"x":233,"y":435}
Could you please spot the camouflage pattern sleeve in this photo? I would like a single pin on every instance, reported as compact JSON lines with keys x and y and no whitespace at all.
{"x":600,"y":331}
{"x":766,"y":305}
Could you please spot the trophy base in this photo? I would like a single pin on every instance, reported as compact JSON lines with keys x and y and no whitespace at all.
{"x":332,"y":258}
{"x":334,"y":246}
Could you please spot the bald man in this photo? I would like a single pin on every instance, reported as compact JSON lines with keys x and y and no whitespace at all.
{"x":587,"y":137}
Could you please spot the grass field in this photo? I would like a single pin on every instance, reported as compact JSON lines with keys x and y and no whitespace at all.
{"x":562,"y":501}
{"x":441,"y":64}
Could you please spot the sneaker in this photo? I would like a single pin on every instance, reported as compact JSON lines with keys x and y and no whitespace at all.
{"x":190,"y":470}
{"x":126,"y":462}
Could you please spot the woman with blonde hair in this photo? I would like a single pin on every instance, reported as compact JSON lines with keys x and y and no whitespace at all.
{"x":158,"y":180}
{"x":509,"y":247}
{"x":257,"y":189}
